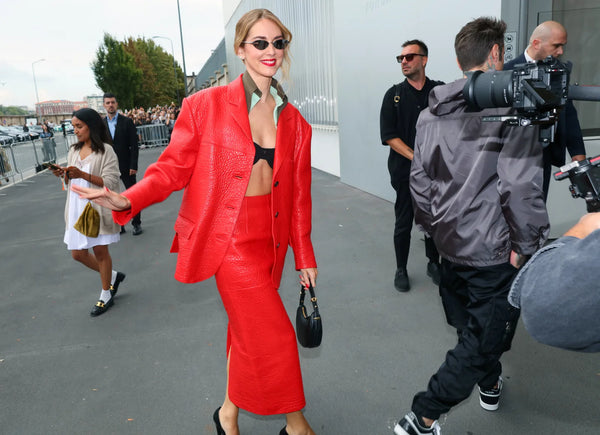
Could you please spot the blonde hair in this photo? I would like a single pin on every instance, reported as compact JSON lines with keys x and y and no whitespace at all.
{"x":249,"y":19}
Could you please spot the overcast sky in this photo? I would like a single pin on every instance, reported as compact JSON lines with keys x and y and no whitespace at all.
{"x":67,"y":33}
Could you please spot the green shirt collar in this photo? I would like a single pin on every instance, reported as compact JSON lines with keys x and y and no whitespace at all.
{"x":253,"y":94}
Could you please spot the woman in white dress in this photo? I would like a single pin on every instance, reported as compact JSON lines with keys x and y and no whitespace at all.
{"x":92,"y":162}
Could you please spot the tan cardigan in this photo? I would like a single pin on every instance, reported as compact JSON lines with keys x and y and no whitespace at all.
{"x":105,"y":165}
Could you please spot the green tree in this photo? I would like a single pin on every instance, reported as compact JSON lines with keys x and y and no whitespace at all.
{"x":12,"y":110}
{"x":115,"y":71}
{"x":138,"y":71}
{"x":159,"y":81}
{"x":147,"y":92}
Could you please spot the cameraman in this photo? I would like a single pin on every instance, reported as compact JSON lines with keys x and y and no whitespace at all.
{"x":557,"y":290}
{"x":476,"y":189}
{"x":548,"y":39}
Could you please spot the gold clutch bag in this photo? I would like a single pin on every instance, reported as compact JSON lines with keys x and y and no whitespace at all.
{"x":88,"y":223}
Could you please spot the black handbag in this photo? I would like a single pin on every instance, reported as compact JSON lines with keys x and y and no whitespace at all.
{"x":309,"y":329}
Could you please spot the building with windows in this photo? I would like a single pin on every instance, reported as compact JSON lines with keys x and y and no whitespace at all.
{"x":214,"y":71}
{"x":95,"y":102}
{"x":58,"y":107}
{"x":54,"y":107}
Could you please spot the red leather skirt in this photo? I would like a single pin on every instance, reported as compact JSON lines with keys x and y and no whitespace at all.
{"x":264,"y":368}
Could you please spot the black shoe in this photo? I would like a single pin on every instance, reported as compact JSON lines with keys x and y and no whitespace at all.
{"x":433,"y":271}
{"x":283,"y":431}
{"x":217,"y":420}
{"x":115,"y":287}
{"x":122,"y":230}
{"x":490,"y":398}
{"x":401,"y":280}
{"x":410,"y":425}
{"x":137,"y":230}
{"x":101,"y":307}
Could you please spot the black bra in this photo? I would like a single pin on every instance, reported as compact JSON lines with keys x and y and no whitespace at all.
{"x":267,"y":154}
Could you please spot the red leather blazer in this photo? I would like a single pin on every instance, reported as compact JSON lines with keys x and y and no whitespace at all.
{"x":210,"y":155}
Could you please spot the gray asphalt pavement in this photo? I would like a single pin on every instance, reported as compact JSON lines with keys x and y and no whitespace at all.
{"x":155,"y":362}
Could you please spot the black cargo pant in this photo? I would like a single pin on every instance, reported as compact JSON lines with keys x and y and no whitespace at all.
{"x":128,"y":181}
{"x":403,"y":209}
{"x":475,"y":303}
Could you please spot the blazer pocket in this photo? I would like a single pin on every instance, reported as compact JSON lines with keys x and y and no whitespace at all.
{"x":184,"y":227}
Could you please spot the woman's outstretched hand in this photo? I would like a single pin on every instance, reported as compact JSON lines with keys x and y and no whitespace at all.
{"x":103,"y":197}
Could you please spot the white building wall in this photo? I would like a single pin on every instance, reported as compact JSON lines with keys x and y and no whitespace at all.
{"x":369,"y":35}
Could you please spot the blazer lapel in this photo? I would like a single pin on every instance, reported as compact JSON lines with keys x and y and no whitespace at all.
{"x":286,"y":139}
{"x":238,"y":109}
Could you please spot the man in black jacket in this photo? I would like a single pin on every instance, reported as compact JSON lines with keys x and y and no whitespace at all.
{"x":125,"y":143}
{"x":400,"y":109}
{"x":548,"y":39}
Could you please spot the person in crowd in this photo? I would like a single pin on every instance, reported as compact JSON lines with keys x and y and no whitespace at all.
{"x":557,"y":289}
{"x":92,"y":163}
{"x":48,"y":144}
{"x":48,"y":128}
{"x":477,"y":190}
{"x":45,"y":132}
{"x":4,"y":165}
{"x":170,"y":123}
{"x":125,"y":142}
{"x":242,"y":154}
{"x":548,"y":39}
{"x":400,"y":109}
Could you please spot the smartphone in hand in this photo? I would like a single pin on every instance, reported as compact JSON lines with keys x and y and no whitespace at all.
{"x":50,"y":165}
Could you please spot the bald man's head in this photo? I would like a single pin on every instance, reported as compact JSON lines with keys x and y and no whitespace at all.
{"x":547,"y":39}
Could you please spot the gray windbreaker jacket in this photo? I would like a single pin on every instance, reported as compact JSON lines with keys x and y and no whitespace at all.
{"x":476,"y":186}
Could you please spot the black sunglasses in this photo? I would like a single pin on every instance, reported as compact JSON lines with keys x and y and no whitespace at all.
{"x":409,"y":57}
{"x":262,"y":44}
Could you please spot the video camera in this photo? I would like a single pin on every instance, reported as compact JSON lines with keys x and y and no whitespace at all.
{"x":585,"y":181}
{"x":536,"y":90}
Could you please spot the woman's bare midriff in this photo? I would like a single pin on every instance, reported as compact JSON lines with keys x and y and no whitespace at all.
{"x":261,"y":179}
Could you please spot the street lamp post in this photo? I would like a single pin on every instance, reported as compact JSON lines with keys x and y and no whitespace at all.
{"x":174,"y":68}
{"x":182,"y":52}
{"x":35,"y":84}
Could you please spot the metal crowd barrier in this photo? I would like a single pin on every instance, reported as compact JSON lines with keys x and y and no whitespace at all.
{"x":153,"y":135}
{"x":19,"y":160}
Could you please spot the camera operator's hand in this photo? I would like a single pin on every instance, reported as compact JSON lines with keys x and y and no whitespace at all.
{"x":518,"y":260}
{"x":586,"y":225}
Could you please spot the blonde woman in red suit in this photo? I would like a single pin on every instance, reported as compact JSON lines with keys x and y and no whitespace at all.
{"x":242,"y":154}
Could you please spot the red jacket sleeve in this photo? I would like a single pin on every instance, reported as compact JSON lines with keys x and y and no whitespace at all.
{"x":170,"y":173}
{"x":301,"y":225}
